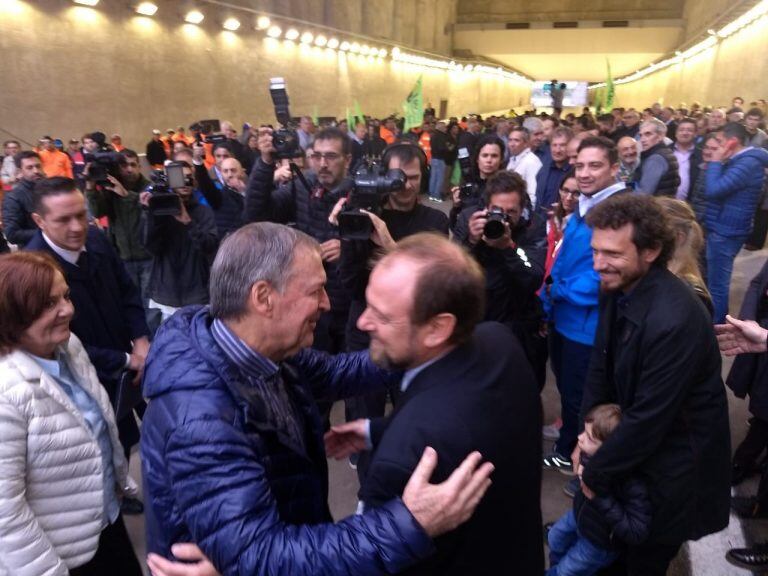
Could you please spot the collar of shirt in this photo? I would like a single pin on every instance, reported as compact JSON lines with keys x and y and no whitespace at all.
{"x":68,"y":255}
{"x":409,"y":375}
{"x":586,"y":203}
{"x":52,"y":367}
{"x":741,"y":152}
{"x":244,"y":357}
{"x":519,"y":158}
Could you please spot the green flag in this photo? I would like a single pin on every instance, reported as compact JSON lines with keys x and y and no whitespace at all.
{"x":350,"y":120}
{"x":359,"y":118}
{"x":413,"y":108}
{"x":609,"y":89}
{"x":315,"y":116}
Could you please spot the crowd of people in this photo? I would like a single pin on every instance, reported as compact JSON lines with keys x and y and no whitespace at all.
{"x":211,"y":303}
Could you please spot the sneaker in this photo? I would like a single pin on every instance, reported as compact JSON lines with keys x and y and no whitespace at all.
{"x":555,"y":461}
{"x":438,"y":200}
{"x":131,"y":506}
{"x":552,"y":431}
{"x":747,"y":507}
{"x":754,"y":558}
{"x":571,"y":487}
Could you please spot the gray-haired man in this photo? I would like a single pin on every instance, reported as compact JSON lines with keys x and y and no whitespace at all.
{"x":232,"y":447}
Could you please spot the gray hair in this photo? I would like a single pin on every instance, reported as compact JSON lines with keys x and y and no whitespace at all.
{"x":658,"y":126}
{"x":261,"y":251}
{"x":533,"y":124}
{"x":523,"y":130}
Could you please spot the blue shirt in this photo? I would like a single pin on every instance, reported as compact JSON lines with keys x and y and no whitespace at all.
{"x":97,"y":425}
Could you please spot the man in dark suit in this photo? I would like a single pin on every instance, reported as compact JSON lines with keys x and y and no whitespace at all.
{"x":655,"y":354}
{"x":109,"y":317}
{"x":466,"y":387}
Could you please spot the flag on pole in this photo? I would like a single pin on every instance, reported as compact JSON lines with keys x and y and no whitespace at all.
{"x":315,"y":116}
{"x":359,"y":118}
{"x":609,"y":89}
{"x":413,"y":108}
{"x":350,"y":120}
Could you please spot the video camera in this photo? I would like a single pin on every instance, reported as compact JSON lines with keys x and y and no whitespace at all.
{"x":371,"y":186}
{"x":469,"y":189}
{"x":285,"y":140}
{"x":205,"y":131}
{"x":104,"y":162}
{"x":164,"y":200}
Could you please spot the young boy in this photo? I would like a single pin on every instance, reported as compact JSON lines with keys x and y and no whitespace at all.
{"x":590,"y":536}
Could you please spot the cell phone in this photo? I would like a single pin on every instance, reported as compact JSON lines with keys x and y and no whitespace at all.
{"x":174,"y":171}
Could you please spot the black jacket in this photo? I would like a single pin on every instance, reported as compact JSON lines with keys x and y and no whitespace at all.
{"x":228,"y":205}
{"x":670,"y":180}
{"x":442,"y":146}
{"x":17,"y":214}
{"x":474,"y":398}
{"x":749,"y":373}
{"x":156,"y":152}
{"x":655,"y":354}
{"x":183,"y":254}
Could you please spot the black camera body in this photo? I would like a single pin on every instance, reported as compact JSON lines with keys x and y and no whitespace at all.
{"x":469,"y":190}
{"x":285,"y":140}
{"x":495,"y":224}
{"x":103,"y":163}
{"x":164,"y":200}
{"x":372,"y":185}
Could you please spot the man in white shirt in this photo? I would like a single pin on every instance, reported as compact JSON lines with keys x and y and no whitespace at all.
{"x":523,"y":161}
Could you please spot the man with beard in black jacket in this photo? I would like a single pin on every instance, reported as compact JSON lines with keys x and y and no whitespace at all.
{"x":17,"y":204}
{"x":513,"y":259}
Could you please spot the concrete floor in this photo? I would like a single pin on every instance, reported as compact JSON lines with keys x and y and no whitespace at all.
{"x":701,"y":558}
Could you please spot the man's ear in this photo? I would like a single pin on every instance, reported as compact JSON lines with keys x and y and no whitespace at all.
{"x":439,"y":330}
{"x":261,"y":299}
{"x":38,"y":219}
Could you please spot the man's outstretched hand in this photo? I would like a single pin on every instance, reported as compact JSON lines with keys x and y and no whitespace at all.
{"x":159,"y":566}
{"x":440,"y":508}
{"x":740,"y":336}
{"x":345,"y":439}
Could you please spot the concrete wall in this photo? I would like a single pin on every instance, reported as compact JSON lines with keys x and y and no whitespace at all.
{"x":735,"y":67}
{"x":66,"y":70}
{"x":565,"y":10}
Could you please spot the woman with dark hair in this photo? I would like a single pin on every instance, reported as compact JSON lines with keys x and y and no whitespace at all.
{"x":62,"y":468}
{"x":567,"y":201}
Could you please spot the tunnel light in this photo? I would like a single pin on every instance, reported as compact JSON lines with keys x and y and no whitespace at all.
{"x":263,"y":22}
{"x":383,"y":53}
{"x":274,"y":32}
{"x":146,"y":8}
{"x":307,"y":38}
{"x":291,"y":34}
{"x":354,"y":47}
{"x":194,"y":17}
{"x":86,"y":2}
{"x":365,"y":49}
{"x":321,"y":41}
{"x":344,"y":46}
{"x":231,"y":24}
{"x":332,"y":43}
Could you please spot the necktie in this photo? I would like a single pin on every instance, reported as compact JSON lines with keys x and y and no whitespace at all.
{"x":82,"y":261}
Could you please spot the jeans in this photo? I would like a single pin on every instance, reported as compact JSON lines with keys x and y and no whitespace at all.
{"x":436,"y":179}
{"x":570,"y":363}
{"x":573,"y":555}
{"x":721,"y":251}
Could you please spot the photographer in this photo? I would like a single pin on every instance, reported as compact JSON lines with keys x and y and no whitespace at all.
{"x":119,"y":201}
{"x":509,"y":241}
{"x":308,"y":202}
{"x":483,"y":163}
{"x":183,"y":247}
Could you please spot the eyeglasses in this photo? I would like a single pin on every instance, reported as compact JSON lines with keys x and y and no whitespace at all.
{"x":327,"y":156}
{"x":568,"y":192}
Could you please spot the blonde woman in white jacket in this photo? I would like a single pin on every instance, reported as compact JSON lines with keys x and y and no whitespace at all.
{"x":62,"y":469}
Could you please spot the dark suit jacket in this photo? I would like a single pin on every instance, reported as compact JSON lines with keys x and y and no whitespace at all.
{"x":481,"y":396}
{"x":655,"y":354}
{"x":108,"y":309}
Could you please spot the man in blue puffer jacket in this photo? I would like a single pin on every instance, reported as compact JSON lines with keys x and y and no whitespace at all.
{"x":734,"y":183}
{"x":232,"y":449}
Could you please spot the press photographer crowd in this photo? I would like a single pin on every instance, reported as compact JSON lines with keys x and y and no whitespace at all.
{"x":200,"y":302}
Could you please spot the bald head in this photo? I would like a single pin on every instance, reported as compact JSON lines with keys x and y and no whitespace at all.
{"x":231,"y":171}
{"x":629,"y":150}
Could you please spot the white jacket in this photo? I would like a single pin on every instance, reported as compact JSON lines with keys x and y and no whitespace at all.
{"x":51,"y":479}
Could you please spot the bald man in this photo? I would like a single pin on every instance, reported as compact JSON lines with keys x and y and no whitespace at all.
{"x":629,"y":157}
{"x":228,"y":200}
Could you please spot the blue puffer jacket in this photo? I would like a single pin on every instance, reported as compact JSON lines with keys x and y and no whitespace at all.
{"x":733,"y":190}
{"x":217,"y":474}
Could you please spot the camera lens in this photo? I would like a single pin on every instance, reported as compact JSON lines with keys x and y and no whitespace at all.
{"x":493,"y":229}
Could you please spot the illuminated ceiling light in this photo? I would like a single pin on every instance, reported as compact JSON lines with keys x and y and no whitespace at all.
{"x":194,"y":17}
{"x":468,"y":68}
{"x":146,"y":8}
{"x":274,"y":32}
{"x":87,"y":2}
{"x":263,"y":22}
{"x":332,"y":43}
{"x":355,"y":47}
{"x":711,"y":32}
{"x":231,"y":24}
{"x":383,"y":53}
{"x":291,"y":34}
{"x":307,"y":38}
{"x":321,"y":41}
{"x":365,"y":49}
{"x":344,"y":46}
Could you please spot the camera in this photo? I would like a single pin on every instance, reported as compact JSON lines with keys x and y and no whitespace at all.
{"x":205,"y":131}
{"x":469,"y":189}
{"x":496,"y":219}
{"x":102,"y":164}
{"x":371,"y":186}
{"x":285,"y":140}
{"x":164,"y":200}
